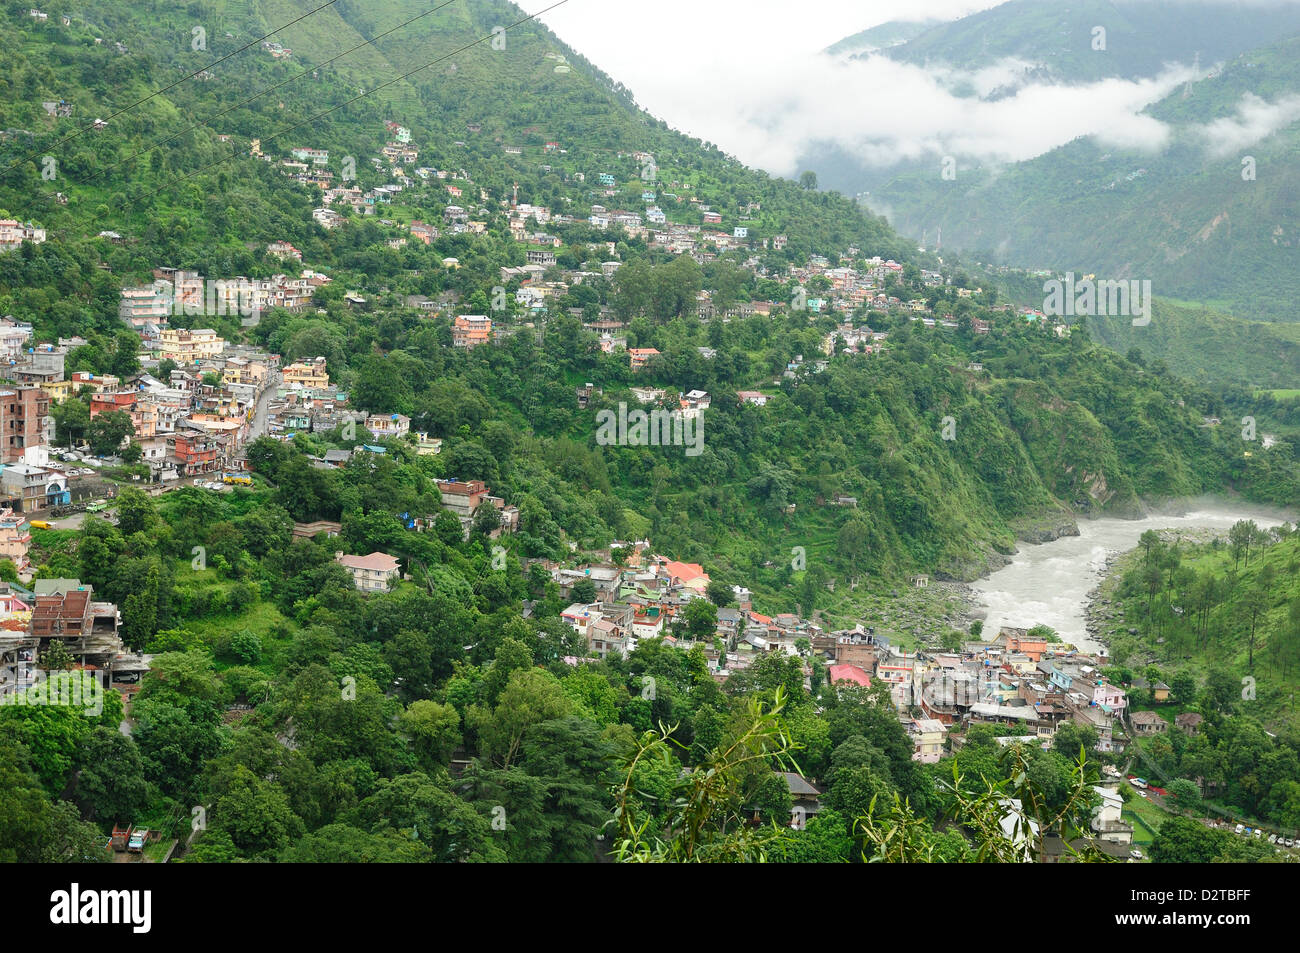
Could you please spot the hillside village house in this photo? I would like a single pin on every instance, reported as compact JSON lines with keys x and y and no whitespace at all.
{"x":690,"y":575}
{"x":579,"y":617}
{"x":471,"y":330}
{"x":13,"y":338}
{"x":15,"y":538}
{"x":848,"y":674}
{"x":388,"y":425}
{"x":462,"y":497}
{"x":306,"y":375}
{"x":25,"y":421}
{"x":693,"y":402}
{"x":928,"y":736}
{"x":284,"y":250}
{"x":639,"y":357}
{"x":1109,"y":697}
{"x":1148,"y":723}
{"x":1107,"y":817}
{"x":373,"y":573}
{"x":14,"y":233}
{"x":27,"y":488}
{"x":187,"y":347}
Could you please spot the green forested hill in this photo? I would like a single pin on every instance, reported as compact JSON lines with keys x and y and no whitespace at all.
{"x":1142,"y":37}
{"x":180,"y":203}
{"x":1187,"y":217}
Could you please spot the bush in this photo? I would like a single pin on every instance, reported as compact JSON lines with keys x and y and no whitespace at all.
{"x":246,"y":647}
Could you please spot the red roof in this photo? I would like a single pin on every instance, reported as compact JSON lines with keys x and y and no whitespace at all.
{"x":850,"y":673}
{"x":686,"y":572}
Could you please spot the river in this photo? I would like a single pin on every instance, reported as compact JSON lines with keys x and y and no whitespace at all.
{"x":1049,"y":583}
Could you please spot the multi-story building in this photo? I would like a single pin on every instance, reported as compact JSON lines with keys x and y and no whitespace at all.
{"x":57,"y":391}
{"x":639,"y":357}
{"x":927,"y":737}
{"x":13,"y":233}
{"x":373,"y":573}
{"x":190,"y":346}
{"x":95,"y":383}
{"x":15,"y":538}
{"x":306,"y":375}
{"x":24,"y":421}
{"x":65,"y":610}
{"x":462,"y":497}
{"x":388,"y":425}
{"x":151,"y":303}
{"x":14,"y":336}
{"x":40,"y":365}
{"x":108,"y":401}
{"x":27,"y":488}
{"x":193,"y":453}
{"x":471,"y":330}
{"x":243,"y":371}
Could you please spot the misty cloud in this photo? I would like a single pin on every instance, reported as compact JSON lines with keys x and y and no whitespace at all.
{"x":883,"y":111}
{"x":765,"y":95}
{"x":1255,"y":120}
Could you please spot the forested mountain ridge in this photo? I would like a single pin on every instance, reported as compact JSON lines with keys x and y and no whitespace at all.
{"x":1061,"y":43}
{"x":1208,"y":216}
{"x":181,"y":201}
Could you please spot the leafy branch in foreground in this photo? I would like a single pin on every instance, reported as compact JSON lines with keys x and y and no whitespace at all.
{"x":1007,"y":821}
{"x":703,"y":815}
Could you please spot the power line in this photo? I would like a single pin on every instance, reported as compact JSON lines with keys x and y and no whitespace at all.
{"x":269,"y":89}
{"x":140,"y":102}
{"x":354,"y":99}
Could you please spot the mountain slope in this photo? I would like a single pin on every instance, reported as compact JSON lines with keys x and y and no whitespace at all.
{"x":1189,"y":218}
{"x":1141,"y":36}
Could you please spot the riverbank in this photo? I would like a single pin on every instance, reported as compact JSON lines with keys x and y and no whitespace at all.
{"x":1102,"y":610}
{"x":1053,"y":583}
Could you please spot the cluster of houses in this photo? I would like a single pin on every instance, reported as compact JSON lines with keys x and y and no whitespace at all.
{"x":146,"y":309}
{"x":13,"y":233}
{"x":66,"y":611}
{"x":1016,"y":681}
{"x":377,"y":572}
{"x":185,"y":425}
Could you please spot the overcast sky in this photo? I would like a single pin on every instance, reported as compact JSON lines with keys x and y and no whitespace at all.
{"x":749,"y":76}
{"x":749,"y":50}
